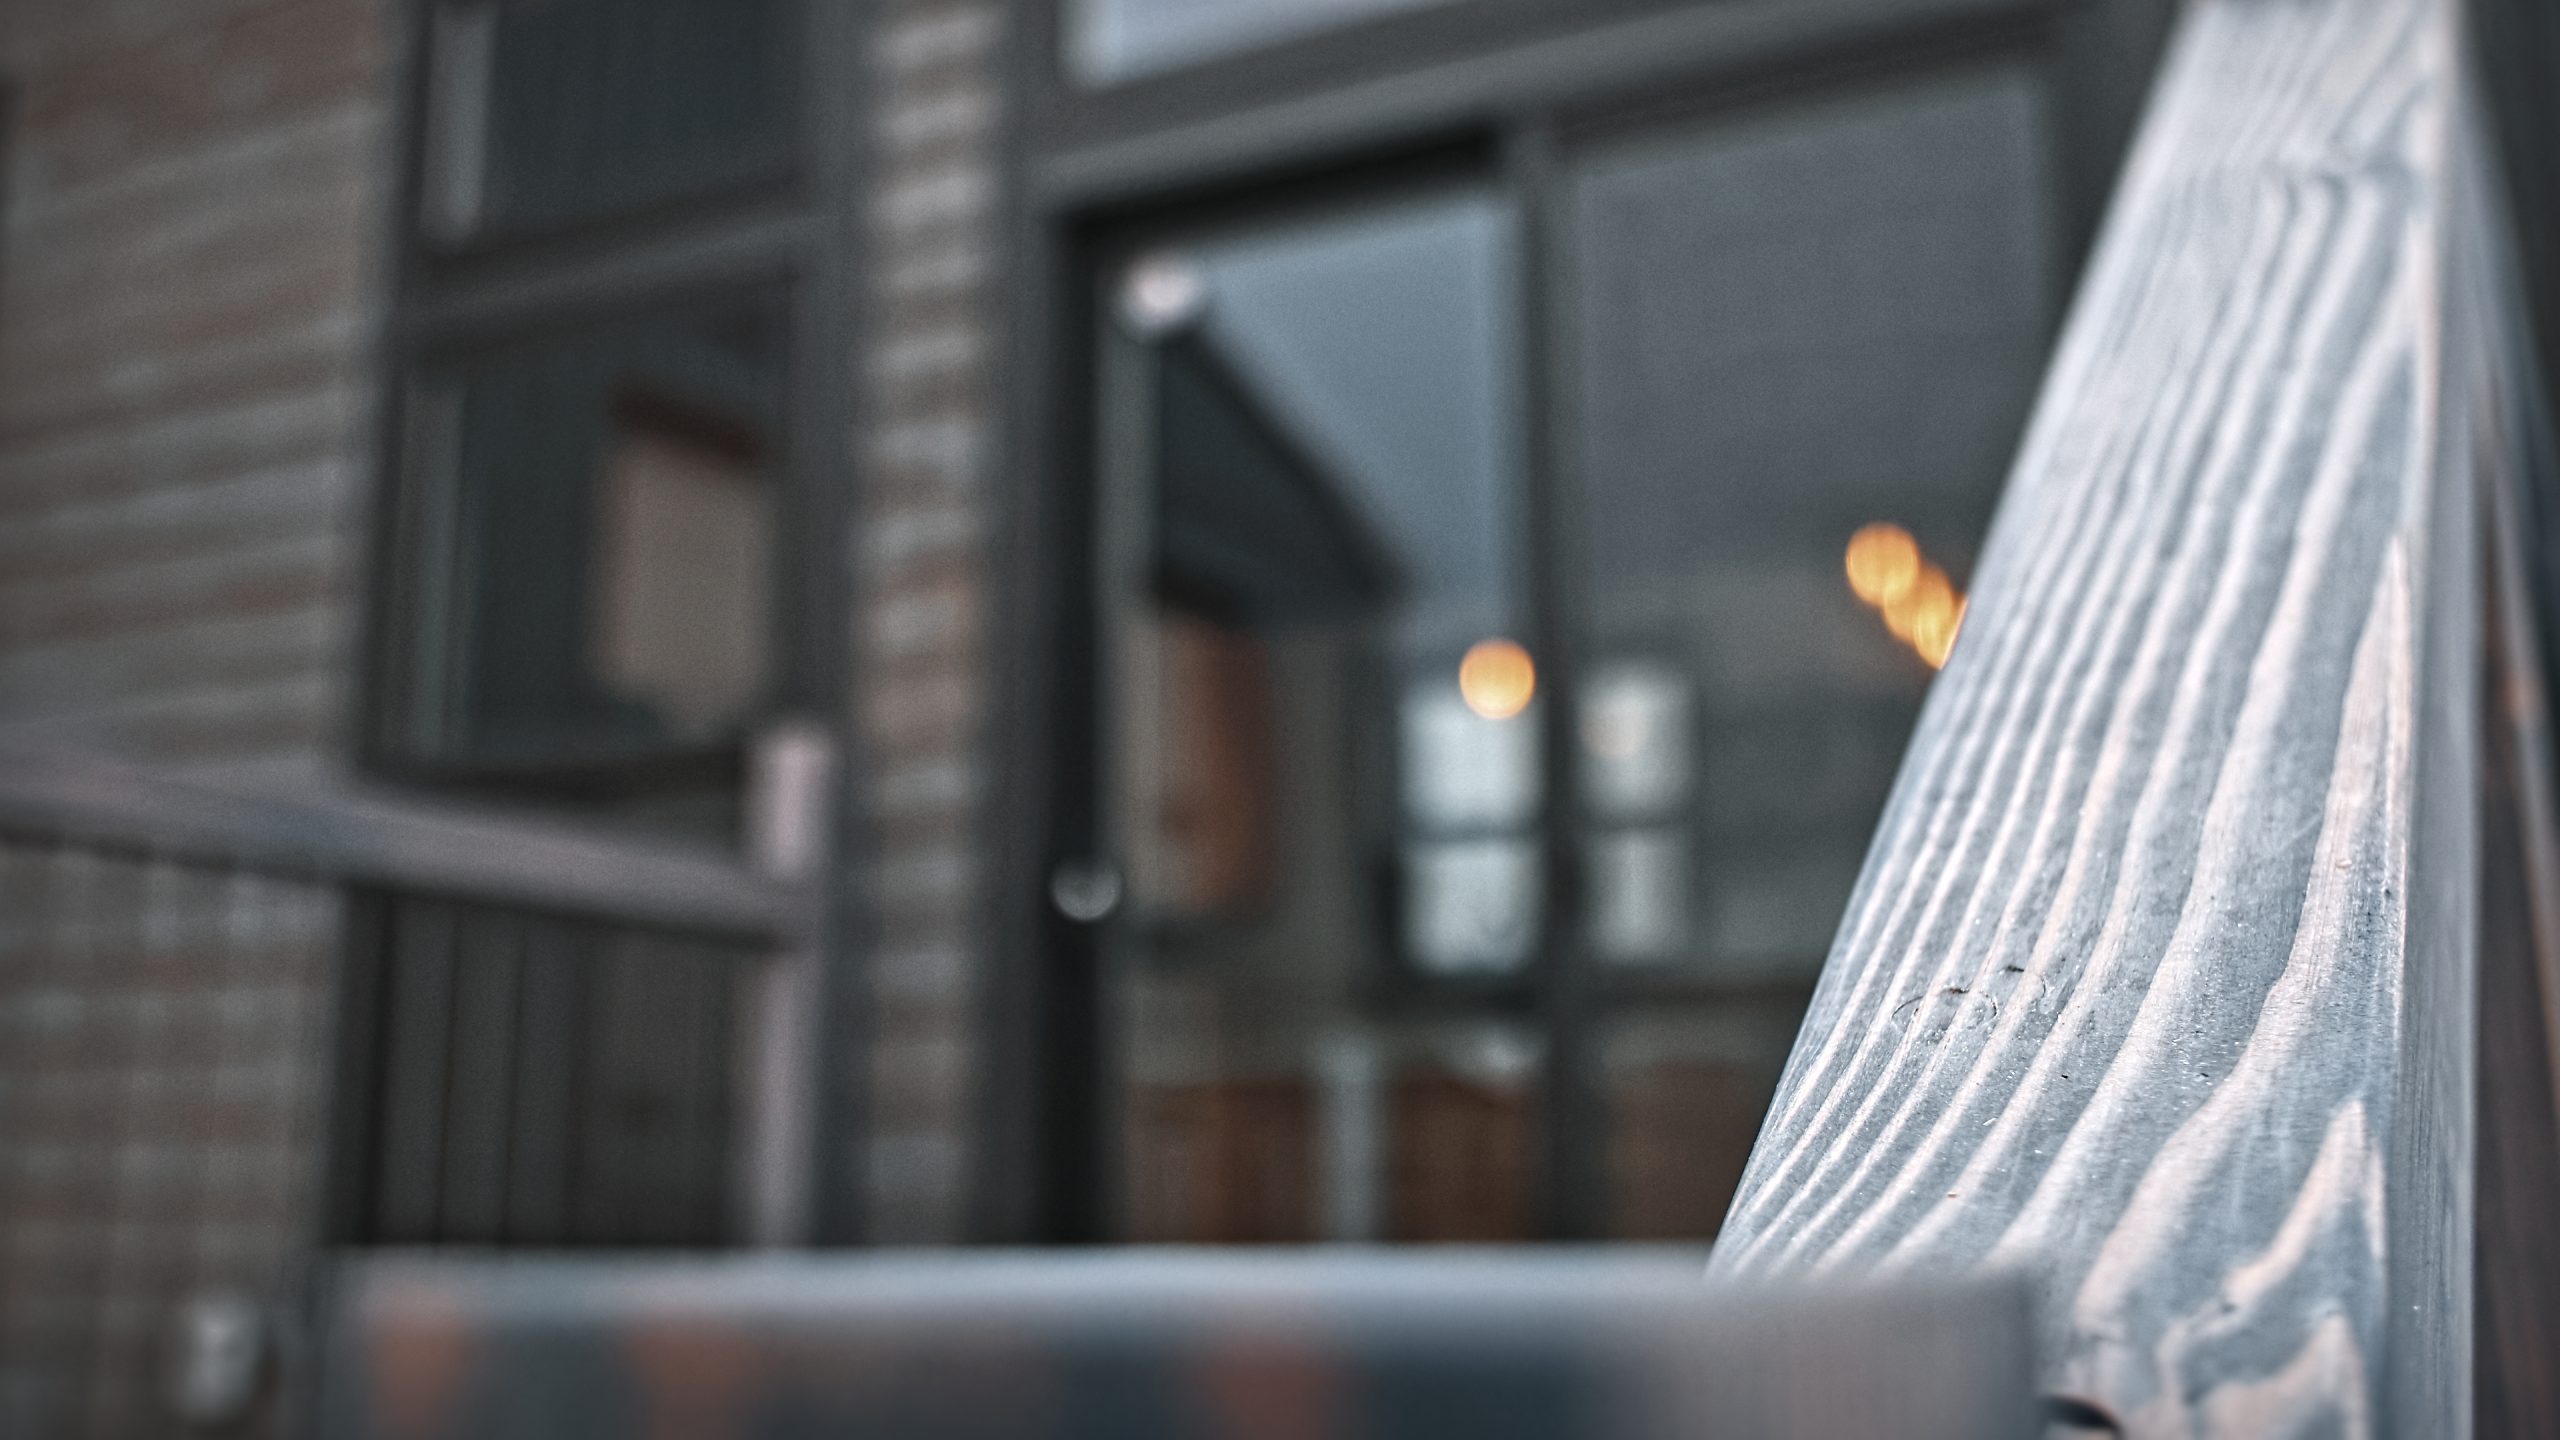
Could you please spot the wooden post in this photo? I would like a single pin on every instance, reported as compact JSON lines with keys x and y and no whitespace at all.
{"x":789,"y":828}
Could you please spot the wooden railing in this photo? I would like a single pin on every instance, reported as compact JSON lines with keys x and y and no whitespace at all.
{"x":547,"y":1035}
{"x":2159,"y":986}
{"x":368,"y":837}
{"x":556,"y":904}
{"x":2161,"y":990}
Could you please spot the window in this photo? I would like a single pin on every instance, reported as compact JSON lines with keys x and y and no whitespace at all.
{"x":544,"y":113}
{"x":1322,"y":466}
{"x":608,"y":562}
{"x":595,"y":592}
{"x":1789,"y":325}
{"x":1515,"y":568}
{"x":597,"y":539}
{"x":1110,"y":41}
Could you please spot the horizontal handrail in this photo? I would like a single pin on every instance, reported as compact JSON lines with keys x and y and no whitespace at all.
{"x":2158,"y":984}
{"x":339,"y":832}
{"x":1153,"y":1345}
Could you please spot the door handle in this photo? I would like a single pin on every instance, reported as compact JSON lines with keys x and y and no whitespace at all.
{"x":1086,"y":891}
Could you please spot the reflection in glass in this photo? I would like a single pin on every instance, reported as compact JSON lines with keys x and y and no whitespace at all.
{"x":682,"y":554}
{"x":1911,"y":595}
{"x":1312,"y":511}
{"x":1327,"y":774}
{"x":600,"y":582}
{"x":1471,"y":905}
{"x":547,"y":111}
{"x":1110,"y":41}
{"x":1463,"y":770}
{"x":1464,"y":1155}
{"x":1497,"y":679}
{"x":1640,"y":886}
{"x":1417,"y":1131}
{"x":1789,"y":324}
{"x":1636,"y":739}
{"x":1683,"y":1092}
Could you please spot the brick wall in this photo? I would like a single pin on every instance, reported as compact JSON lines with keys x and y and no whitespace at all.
{"x":160,"y":1058}
{"x":185,"y":306}
{"x":188,"y":297}
{"x":191,"y":192}
{"x":928,"y":455}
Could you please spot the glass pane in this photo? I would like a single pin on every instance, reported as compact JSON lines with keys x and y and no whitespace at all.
{"x":1684,"y":1092}
{"x":1791,"y":327}
{"x":1406,"y":1132}
{"x":1471,"y":906}
{"x":546,"y":111}
{"x":1109,"y":41}
{"x":1326,"y":769}
{"x":605,"y":530}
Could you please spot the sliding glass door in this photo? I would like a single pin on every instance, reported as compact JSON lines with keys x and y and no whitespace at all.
{"x":1511,"y":592}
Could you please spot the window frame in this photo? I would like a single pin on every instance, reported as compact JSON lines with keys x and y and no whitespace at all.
{"x":791,"y":180}
{"x":556,"y":281}
{"x":431,"y":498}
{"x":1473,"y":83}
{"x":800,"y":232}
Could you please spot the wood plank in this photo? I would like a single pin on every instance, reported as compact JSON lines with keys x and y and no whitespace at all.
{"x":1154,"y":1346}
{"x":404,"y":843}
{"x":2158,"y":984}
{"x":488,"y":976}
{"x":655,"y":1082}
{"x":417,"y":1048}
{"x":543,"y":1129}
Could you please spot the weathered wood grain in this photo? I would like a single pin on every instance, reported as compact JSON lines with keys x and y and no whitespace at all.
{"x":2158,"y":985}
{"x":403,"y":843}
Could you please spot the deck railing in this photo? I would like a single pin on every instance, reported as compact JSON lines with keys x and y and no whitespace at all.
{"x":2162,"y":990}
{"x":176,"y":956}
{"x":361,"y":837}
{"x":2160,"y":986}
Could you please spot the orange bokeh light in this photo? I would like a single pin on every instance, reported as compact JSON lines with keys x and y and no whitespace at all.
{"x":1883,"y":562}
{"x":1919,"y":604}
{"x":1930,"y":595}
{"x":1497,"y":678}
{"x":1934,"y":633}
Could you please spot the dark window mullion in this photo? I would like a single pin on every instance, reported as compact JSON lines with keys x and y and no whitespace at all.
{"x":1573,"y":1123}
{"x":622,"y":267}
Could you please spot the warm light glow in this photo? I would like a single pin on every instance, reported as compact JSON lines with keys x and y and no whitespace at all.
{"x":1934,"y":634}
{"x":1496,"y":679}
{"x":1919,"y":604}
{"x":1883,"y":562}
{"x":1931,"y":595}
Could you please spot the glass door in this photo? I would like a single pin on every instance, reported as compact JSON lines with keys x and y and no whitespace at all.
{"x":1325,"y":788}
{"x":1803,"y":340}
{"x":1478,"y":817}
